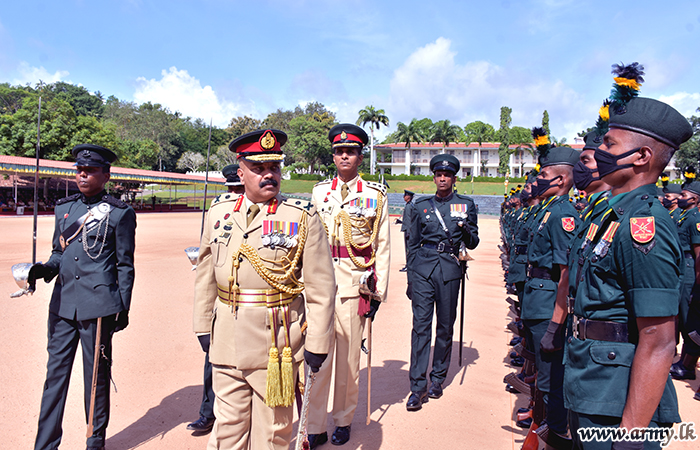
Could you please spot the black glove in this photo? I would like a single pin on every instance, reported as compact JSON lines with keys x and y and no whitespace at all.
{"x":409,"y":291}
{"x":553,"y":339}
{"x":121,"y":321}
{"x":205,"y":341}
{"x":314,"y":360}
{"x":628,"y":445}
{"x":373,"y":308}
{"x":37,"y":271}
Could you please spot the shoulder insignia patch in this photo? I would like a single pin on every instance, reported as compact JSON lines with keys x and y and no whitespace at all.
{"x":697,"y":225}
{"x":568,"y":224}
{"x":642,"y":229}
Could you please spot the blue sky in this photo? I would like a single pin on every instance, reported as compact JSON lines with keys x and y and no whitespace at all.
{"x":456,"y":60}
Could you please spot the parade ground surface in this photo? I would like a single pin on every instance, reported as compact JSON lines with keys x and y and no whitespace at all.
{"x":158,"y":362}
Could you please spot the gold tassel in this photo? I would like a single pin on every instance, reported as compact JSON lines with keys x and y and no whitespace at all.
{"x":287,"y":377}
{"x":274,"y":391}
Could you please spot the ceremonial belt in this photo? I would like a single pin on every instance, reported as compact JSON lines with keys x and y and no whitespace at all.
{"x":342,"y":252}
{"x":539,"y":272}
{"x":441,"y":247}
{"x":521,"y":249}
{"x":599,"y":330}
{"x":72,"y":231}
{"x":269,"y":298}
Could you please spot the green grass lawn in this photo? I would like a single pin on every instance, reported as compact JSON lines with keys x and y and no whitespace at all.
{"x":165,"y":193}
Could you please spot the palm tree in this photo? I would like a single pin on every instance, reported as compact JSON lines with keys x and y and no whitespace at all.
{"x":479,"y":132}
{"x":375,"y":117}
{"x":445,"y":132}
{"x":409,"y":133}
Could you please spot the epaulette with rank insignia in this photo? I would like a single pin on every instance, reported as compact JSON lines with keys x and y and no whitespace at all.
{"x":70,"y":198}
{"x":114,"y":202}
{"x":300,"y":204}
{"x":378,"y":186}
{"x":321,"y":183}
{"x":221,"y":198}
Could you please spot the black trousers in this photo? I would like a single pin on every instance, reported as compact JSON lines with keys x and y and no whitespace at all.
{"x":206,"y":410}
{"x":438,"y":296}
{"x":64,"y":336}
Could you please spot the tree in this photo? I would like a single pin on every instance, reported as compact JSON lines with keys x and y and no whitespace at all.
{"x":479,"y":132}
{"x":191,"y":161}
{"x":308,"y":141}
{"x":83,"y":102}
{"x":689,"y":153}
{"x":375,"y":118}
{"x":445,"y":132}
{"x":409,"y":133}
{"x":545,"y":122}
{"x":243,"y":124}
{"x":504,"y":136}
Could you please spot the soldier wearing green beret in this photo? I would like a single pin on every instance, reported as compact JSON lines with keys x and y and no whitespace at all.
{"x":689,"y":233}
{"x":548,"y":279}
{"x":627,"y":296}
{"x":441,"y":223}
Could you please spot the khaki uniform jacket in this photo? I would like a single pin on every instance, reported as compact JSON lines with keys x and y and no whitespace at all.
{"x":241,"y":337}
{"x":329,"y":203}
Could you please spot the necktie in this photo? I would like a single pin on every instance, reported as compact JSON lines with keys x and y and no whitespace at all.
{"x":252,"y":212}
{"x":344,"y":191}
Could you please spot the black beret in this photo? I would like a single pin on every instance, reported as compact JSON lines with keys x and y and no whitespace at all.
{"x":347,"y":135}
{"x":673,"y":188}
{"x":260,"y":145}
{"x":90,"y":155}
{"x":560,"y":156}
{"x":230,"y":172}
{"x":693,"y":187}
{"x":444,"y":162}
{"x":652,"y":118}
{"x":660,"y":191}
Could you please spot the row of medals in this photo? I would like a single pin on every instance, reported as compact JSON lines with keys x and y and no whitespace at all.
{"x":273,"y":240}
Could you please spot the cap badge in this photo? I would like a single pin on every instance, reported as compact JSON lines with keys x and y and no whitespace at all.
{"x":267,"y":141}
{"x":86,"y":153}
{"x":343,"y":135}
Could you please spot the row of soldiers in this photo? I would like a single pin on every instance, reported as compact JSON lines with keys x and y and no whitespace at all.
{"x":601,"y":292}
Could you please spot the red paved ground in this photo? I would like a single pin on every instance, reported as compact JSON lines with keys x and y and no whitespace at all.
{"x":158,"y":362}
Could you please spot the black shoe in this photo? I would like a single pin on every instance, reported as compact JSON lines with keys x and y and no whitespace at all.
{"x":435,"y":390}
{"x":517,"y":362}
{"x":341,"y":435}
{"x":404,"y":269}
{"x":96,"y":448}
{"x":201,"y":425}
{"x":416,"y":400}
{"x":524,"y":423}
{"x":515,"y":341}
{"x":680,"y":372}
{"x":317,"y":439}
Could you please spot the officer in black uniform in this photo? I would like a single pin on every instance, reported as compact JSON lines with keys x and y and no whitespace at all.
{"x":406,"y":220}
{"x":440,"y":224}
{"x":93,"y":257}
{"x":206,"y":419}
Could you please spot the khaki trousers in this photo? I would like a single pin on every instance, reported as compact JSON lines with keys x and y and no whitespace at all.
{"x":346,"y":347}
{"x":243,"y":421}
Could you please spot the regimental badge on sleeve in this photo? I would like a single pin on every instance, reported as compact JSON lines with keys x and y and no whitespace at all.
{"x":568,"y":224}
{"x":642,"y":229}
{"x":697,"y":225}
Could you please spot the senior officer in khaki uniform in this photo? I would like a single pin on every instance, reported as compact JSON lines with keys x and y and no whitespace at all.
{"x":617,"y":361}
{"x":248,"y":296}
{"x":356,"y":216}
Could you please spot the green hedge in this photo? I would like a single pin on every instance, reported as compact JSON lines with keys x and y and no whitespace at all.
{"x":404,"y":177}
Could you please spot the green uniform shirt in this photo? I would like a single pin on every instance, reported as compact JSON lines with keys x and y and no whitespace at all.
{"x":548,"y":250}
{"x":637,"y":275}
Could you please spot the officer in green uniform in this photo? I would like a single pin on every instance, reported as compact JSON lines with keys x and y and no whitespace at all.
{"x":672,"y":192}
{"x":627,"y":296}
{"x":93,"y":257}
{"x":440,"y":224}
{"x":547,"y":271}
{"x":689,"y":233}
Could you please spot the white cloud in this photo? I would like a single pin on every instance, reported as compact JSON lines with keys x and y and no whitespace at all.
{"x":686,"y":103}
{"x":431,"y":83}
{"x":32,"y":75}
{"x":179,"y":91}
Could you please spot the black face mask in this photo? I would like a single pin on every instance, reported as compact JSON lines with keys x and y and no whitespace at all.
{"x":525,"y":196}
{"x":683,"y":203}
{"x":583,"y":176}
{"x":668,"y":204}
{"x":607,"y":162}
{"x":542,"y":186}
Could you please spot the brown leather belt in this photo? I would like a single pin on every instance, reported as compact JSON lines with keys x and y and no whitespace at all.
{"x":600,"y":330}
